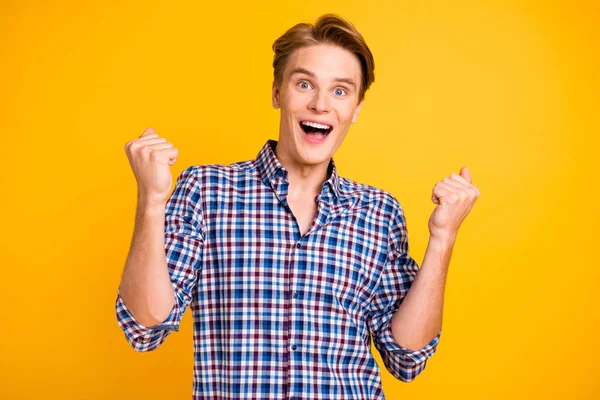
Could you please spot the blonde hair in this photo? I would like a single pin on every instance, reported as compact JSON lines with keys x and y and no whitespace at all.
{"x":328,"y":29}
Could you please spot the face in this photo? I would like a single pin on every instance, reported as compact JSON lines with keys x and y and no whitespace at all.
{"x":318,"y":98}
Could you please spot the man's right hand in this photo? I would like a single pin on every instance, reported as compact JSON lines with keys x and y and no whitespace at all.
{"x":150,"y":157}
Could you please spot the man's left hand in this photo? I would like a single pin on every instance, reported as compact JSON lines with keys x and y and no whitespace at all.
{"x":455,"y":197}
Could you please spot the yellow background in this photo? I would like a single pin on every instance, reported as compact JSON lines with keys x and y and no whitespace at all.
{"x":509,"y":89}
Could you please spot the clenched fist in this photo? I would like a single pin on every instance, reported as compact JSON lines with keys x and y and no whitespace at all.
{"x":455,"y":197}
{"x":150,"y":157}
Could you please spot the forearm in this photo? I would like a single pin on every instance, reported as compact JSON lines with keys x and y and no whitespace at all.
{"x":145,"y":284}
{"x":419,"y":318}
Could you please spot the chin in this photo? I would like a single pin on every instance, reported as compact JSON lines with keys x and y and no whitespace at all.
{"x":312,"y":156}
{"x":314,"y":160}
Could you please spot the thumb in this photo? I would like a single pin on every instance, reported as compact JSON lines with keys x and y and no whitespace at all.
{"x":171,"y":155}
{"x":464,"y":172}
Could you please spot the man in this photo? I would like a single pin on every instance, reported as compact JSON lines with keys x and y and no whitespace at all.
{"x":289,"y":268}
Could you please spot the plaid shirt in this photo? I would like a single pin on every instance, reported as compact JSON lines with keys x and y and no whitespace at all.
{"x":278,"y":315}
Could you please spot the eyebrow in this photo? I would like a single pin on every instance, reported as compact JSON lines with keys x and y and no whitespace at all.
{"x":304,"y":71}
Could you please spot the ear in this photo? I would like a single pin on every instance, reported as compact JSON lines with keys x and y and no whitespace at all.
{"x":357,"y":110}
{"x":275,"y":95}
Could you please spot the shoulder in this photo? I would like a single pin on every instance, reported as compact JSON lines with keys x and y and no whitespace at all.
{"x":207,"y":173}
{"x":379,"y":198}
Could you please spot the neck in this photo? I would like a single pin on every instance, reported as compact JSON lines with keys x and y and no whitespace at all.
{"x":305,"y":180}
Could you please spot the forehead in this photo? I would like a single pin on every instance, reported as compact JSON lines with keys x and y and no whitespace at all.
{"x":325,"y":61}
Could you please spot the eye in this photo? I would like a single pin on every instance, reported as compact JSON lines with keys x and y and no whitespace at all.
{"x":304,"y":85}
{"x":339,"y":92}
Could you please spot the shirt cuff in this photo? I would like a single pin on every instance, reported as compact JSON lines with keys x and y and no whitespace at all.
{"x":418,"y":356}
{"x":137,"y":333}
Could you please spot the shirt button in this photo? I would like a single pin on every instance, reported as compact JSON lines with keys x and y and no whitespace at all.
{"x":295,"y":295}
{"x":294,"y":347}
{"x":298,"y":245}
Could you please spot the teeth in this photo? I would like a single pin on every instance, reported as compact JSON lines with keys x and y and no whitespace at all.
{"x":315,"y":125}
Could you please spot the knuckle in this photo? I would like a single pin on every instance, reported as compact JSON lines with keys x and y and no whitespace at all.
{"x":145,"y":150}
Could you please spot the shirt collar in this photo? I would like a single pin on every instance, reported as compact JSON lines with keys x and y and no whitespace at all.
{"x":271,"y":170}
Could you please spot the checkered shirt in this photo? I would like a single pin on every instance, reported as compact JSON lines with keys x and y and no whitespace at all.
{"x":278,"y":315}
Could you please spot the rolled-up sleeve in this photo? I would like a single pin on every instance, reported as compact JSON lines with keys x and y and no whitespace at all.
{"x":399,"y":272}
{"x":184,"y":239}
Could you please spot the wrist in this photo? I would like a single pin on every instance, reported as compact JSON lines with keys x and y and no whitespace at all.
{"x":443,"y":239}
{"x":149,"y":205}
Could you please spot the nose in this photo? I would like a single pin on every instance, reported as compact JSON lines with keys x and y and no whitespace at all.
{"x":319,"y":102}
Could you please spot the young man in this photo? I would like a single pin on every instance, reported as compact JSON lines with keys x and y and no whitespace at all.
{"x":289,"y":268}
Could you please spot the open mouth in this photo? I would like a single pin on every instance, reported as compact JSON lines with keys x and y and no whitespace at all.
{"x":316,"y":129}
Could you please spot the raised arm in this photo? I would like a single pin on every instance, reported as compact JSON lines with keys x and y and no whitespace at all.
{"x":145,"y":284}
{"x":164,"y":260}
